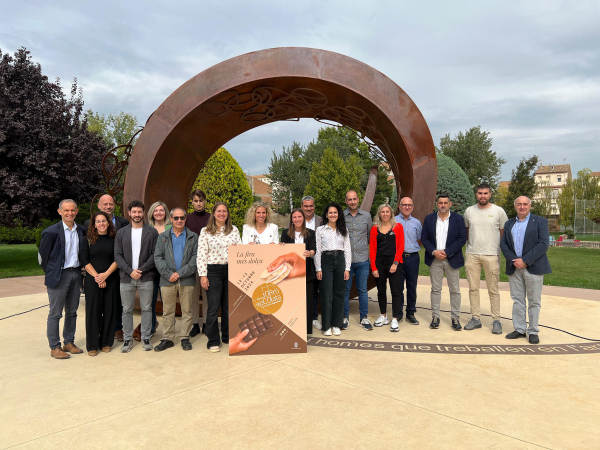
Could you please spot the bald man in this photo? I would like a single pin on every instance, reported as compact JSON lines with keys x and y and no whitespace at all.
{"x":525,"y":245}
{"x":410,"y":257}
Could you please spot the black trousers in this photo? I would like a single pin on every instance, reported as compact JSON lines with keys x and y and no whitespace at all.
{"x":101,"y":312}
{"x":218,"y":299}
{"x":332,"y":288}
{"x":383,"y":265}
{"x":410,"y":273}
{"x":310,"y":287}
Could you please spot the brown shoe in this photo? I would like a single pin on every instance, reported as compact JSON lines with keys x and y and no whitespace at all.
{"x":137,"y":333}
{"x":72,"y":348}
{"x":59,"y":354}
{"x":92,"y":352}
{"x":106,"y":349}
{"x":119,"y":335}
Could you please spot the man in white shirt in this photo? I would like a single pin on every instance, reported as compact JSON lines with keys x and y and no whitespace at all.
{"x":485,"y":225}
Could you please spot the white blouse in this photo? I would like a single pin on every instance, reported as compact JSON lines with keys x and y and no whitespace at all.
{"x":212,"y":248}
{"x":269,"y":236}
{"x":327,"y":240}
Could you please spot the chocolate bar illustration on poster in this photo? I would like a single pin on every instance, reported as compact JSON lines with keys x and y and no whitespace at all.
{"x":267,"y":299}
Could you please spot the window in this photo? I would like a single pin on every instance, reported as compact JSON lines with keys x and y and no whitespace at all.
{"x":558,"y":178}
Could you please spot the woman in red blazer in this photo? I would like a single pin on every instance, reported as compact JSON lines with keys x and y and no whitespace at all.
{"x":386,"y":248}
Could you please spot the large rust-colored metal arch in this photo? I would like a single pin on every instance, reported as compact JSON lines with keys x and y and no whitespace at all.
{"x":270,"y":85}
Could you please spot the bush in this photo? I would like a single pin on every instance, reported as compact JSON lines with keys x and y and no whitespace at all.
{"x":41,"y":227}
{"x":453,"y":181}
{"x":18,"y":235}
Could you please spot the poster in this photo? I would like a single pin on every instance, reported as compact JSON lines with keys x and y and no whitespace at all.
{"x":267,"y":297}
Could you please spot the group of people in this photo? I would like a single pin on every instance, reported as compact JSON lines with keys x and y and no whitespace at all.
{"x":185,"y":256}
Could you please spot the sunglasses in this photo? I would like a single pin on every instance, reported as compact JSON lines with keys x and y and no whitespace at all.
{"x":178,"y":218}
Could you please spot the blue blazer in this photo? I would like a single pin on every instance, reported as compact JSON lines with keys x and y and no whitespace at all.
{"x":52,"y":252}
{"x":457,"y":238}
{"x":535,"y":246}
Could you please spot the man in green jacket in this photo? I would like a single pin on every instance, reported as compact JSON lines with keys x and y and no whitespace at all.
{"x":175,"y":260}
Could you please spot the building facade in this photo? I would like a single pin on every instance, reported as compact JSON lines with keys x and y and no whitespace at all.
{"x":550,"y":180}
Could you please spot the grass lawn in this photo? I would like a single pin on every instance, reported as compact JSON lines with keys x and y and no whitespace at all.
{"x":19,"y":261}
{"x":581,"y":237}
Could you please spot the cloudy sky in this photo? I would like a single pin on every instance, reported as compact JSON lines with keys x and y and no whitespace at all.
{"x":527,"y":72}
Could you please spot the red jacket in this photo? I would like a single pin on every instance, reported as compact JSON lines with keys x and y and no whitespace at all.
{"x":399,"y":232}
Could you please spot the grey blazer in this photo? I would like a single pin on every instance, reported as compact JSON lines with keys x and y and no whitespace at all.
{"x":123,"y":256}
{"x":165,"y":261}
{"x":318,"y":221}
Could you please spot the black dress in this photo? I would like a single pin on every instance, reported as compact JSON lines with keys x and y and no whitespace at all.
{"x":100,"y":303}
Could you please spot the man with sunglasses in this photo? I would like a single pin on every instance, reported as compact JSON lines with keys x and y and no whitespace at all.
{"x":175,"y":260}
{"x":410,"y":257}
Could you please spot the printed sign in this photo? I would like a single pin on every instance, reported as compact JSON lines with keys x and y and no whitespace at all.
{"x":267,"y":299}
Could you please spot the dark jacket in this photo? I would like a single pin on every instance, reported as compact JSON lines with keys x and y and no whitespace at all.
{"x":119,"y":223}
{"x":310,"y":244}
{"x":535,"y":246}
{"x":123,"y":256}
{"x":457,"y":238}
{"x":164,"y":259}
{"x":51,"y":254}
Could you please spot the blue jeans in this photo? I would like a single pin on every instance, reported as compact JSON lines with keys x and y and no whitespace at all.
{"x":361,"y":272}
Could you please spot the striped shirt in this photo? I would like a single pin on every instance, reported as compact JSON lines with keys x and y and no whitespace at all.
{"x":359,"y":227}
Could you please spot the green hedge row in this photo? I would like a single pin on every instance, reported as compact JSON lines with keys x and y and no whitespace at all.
{"x":23,"y":235}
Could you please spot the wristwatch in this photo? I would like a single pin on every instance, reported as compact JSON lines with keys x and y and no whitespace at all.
{"x":396,"y":263}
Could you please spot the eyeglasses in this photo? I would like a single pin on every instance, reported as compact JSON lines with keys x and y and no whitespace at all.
{"x":405,"y":205}
{"x":178,"y":218}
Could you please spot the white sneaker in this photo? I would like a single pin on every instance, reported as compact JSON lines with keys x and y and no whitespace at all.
{"x":394,"y":326}
{"x":215,"y":348}
{"x":383,"y":320}
{"x":327,"y":332}
{"x":336,"y":331}
{"x":317,"y":324}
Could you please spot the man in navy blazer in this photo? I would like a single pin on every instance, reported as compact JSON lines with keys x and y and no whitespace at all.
{"x":444,"y":235}
{"x":525,"y":245}
{"x":59,"y":258}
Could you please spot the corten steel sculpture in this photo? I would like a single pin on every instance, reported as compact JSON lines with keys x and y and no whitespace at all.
{"x":270,"y":85}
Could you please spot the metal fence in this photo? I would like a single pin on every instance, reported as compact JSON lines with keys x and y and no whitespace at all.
{"x":583,"y":225}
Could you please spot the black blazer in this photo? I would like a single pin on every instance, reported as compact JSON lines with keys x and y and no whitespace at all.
{"x":457,"y":238}
{"x":119,"y":223}
{"x":309,"y":244}
{"x":535,"y":246}
{"x":123,"y":253}
{"x":52,"y":252}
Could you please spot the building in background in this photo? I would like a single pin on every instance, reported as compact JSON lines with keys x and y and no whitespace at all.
{"x":261,"y":187}
{"x":550,"y":181}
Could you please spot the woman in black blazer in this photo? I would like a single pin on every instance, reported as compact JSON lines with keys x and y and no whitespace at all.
{"x":297,"y":233}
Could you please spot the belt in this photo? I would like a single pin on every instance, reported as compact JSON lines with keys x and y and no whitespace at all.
{"x":408,"y":254}
{"x":73,"y":268}
{"x":333,"y":252}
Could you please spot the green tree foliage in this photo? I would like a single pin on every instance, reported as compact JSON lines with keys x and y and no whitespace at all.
{"x":46,"y":151}
{"x":543,"y":204}
{"x":584,"y":187}
{"x":332,"y":178}
{"x":223,"y":180}
{"x":472,"y":152}
{"x":452,"y":180}
{"x":115,"y":129}
{"x":522,"y":182}
{"x":289,"y":173}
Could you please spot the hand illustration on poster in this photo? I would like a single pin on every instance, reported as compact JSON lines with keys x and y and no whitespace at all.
{"x":267,"y":299}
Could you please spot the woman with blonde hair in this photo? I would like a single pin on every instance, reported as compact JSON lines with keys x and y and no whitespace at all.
{"x":386,"y":246}
{"x":212,"y":262}
{"x":259,"y":227}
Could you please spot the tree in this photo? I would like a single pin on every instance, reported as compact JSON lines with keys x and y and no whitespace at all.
{"x":289,"y":176}
{"x":522,"y":182}
{"x":332,"y":178}
{"x":46,"y":150}
{"x":584,"y":187}
{"x":452,"y":180}
{"x":472,"y":152}
{"x":115,"y":129}
{"x":223,"y":180}
{"x":543,"y":203}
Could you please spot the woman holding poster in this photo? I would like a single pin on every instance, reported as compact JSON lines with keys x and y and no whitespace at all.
{"x":212,"y":262}
{"x":332,"y":263}
{"x":297,"y":233}
{"x":259,"y":227}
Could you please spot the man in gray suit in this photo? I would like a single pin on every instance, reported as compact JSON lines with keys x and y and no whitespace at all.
{"x":313,"y":222}
{"x":525,"y":245}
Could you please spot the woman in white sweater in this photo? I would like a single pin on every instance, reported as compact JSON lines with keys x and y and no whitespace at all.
{"x":259,"y":227}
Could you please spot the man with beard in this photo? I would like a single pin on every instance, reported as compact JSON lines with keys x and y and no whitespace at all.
{"x":485,"y":226}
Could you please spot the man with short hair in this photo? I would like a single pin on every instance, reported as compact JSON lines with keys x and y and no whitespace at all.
{"x":59,"y":258}
{"x":525,"y":245}
{"x":358,"y":223}
{"x":443,"y":236}
{"x":313,"y":222}
{"x":485,"y":225}
{"x":175,"y":260}
{"x":134,"y":255}
{"x":411,"y":259}
{"x":195,"y":222}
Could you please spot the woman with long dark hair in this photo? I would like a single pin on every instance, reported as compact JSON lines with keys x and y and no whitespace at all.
{"x":97,"y":252}
{"x":332,"y":264}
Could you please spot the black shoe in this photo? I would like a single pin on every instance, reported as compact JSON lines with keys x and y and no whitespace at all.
{"x":435,"y":323}
{"x":225,"y":341}
{"x":534,"y":339}
{"x":456,"y":325}
{"x":164,"y":344}
{"x":411,"y":319}
{"x":515,"y":335}
{"x":185,"y":344}
{"x":195,"y":331}
{"x":203,"y":327}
